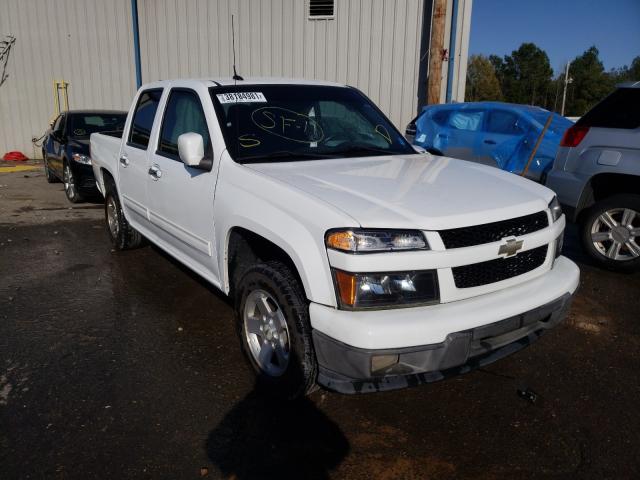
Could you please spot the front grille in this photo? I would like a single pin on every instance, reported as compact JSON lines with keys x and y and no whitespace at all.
{"x":492,"y":271}
{"x":493,"y":232}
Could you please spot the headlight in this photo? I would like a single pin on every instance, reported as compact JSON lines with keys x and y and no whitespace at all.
{"x":84,"y":159}
{"x":556,"y":209}
{"x":365,"y":241}
{"x":384,"y":290}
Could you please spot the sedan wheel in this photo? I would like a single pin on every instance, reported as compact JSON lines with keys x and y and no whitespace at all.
{"x":70,"y":187}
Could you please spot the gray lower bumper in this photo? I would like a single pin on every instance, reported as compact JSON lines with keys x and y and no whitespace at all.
{"x":347,"y":369}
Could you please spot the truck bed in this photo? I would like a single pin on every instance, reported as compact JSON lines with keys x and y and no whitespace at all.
{"x":103,"y":150}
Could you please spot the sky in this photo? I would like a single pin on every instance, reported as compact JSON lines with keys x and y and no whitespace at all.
{"x":563,"y":28}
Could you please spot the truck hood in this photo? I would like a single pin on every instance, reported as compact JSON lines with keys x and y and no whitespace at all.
{"x":413,"y":191}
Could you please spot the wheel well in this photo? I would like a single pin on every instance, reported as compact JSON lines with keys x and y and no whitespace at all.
{"x":605,"y":185}
{"x":247,"y":248}
{"x":107,"y":180}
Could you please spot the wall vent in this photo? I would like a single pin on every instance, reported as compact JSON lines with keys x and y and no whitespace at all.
{"x":322,"y":9}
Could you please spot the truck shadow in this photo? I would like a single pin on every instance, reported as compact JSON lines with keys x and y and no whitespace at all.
{"x":262,"y":437}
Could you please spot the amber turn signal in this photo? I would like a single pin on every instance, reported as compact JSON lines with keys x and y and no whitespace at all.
{"x":346,"y":287}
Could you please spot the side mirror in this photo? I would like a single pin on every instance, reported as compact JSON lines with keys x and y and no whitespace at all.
{"x":191,"y":149}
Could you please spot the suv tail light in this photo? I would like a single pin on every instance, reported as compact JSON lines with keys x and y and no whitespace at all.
{"x":573,"y":136}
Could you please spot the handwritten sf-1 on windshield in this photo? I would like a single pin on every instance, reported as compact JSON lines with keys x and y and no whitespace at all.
{"x":288,"y":124}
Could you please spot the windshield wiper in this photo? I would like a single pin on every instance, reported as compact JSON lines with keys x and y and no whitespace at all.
{"x":284,"y":155}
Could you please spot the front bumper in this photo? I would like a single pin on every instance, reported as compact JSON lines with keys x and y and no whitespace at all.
{"x":347,"y":369}
{"x":85,"y":179}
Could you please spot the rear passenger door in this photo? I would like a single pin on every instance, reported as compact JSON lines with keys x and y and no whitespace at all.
{"x":181,"y":197}
{"x":133,"y":159}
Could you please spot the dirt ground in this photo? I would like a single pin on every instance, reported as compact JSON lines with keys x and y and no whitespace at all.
{"x":126,"y":365}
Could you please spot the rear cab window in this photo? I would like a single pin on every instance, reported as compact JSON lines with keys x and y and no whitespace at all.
{"x":143,"y":117}
{"x":621,"y":109}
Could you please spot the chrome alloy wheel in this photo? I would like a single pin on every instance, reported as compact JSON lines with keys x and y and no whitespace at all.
{"x":112,"y":217}
{"x":266,"y":332}
{"x":616,"y":233}
{"x":69,"y":182}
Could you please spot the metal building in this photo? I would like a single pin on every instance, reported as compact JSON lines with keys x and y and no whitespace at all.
{"x":100,"y":50}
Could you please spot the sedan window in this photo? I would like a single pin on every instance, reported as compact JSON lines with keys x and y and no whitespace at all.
{"x":466,"y":120}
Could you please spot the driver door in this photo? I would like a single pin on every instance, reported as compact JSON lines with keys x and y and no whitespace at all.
{"x":181,"y":197}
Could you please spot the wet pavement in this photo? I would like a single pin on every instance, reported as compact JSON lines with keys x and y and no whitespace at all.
{"x":126,"y":365}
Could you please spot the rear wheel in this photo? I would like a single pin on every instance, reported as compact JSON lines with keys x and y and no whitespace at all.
{"x":51,"y":178}
{"x":123,"y":236}
{"x":70,"y":186}
{"x":611,"y":232}
{"x":275,"y":331}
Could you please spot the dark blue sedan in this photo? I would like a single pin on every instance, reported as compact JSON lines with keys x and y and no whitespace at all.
{"x":65,"y":149}
{"x":499,"y":134}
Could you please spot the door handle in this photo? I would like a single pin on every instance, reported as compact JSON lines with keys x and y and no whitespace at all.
{"x":124,"y":160}
{"x":490,"y":142}
{"x":155,"y":172}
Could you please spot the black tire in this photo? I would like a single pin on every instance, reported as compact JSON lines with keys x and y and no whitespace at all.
{"x":70,"y":186}
{"x":592,"y":222}
{"x":123,"y":236}
{"x":51,"y":178}
{"x":277,"y":280}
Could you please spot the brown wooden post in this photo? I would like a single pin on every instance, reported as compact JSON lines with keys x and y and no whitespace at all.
{"x":436,"y":51}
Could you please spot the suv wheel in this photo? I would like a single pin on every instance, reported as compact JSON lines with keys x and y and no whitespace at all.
{"x":275,"y":331}
{"x":611,"y":232}
{"x":70,"y":187}
{"x":123,"y":236}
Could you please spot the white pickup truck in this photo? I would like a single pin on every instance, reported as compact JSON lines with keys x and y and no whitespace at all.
{"x":354,"y":261}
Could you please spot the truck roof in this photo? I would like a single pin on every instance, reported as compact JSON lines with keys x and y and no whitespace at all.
{"x":227,"y":81}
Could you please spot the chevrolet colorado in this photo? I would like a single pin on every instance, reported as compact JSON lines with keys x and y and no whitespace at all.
{"x":354,"y":261}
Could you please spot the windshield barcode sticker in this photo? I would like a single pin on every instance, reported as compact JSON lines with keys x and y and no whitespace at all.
{"x":246,"y":97}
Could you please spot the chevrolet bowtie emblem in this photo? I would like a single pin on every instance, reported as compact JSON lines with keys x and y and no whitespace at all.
{"x":510,"y":248}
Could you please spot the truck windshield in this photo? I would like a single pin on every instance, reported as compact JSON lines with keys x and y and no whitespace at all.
{"x":275,"y":123}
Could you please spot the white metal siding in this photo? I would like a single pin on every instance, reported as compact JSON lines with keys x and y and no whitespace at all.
{"x":88,"y":43}
{"x":370,"y":44}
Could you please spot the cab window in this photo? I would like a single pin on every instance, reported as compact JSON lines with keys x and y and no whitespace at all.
{"x":183,"y":114}
{"x":143,"y":117}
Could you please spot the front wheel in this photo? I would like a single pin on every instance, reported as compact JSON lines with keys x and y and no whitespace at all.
{"x":611,"y":232}
{"x":70,"y":186}
{"x":123,"y":236}
{"x":275,"y":331}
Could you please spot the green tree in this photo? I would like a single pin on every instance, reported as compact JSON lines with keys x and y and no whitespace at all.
{"x":628,"y":73}
{"x":525,"y":75}
{"x":589,"y":83}
{"x":482,"y":83}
